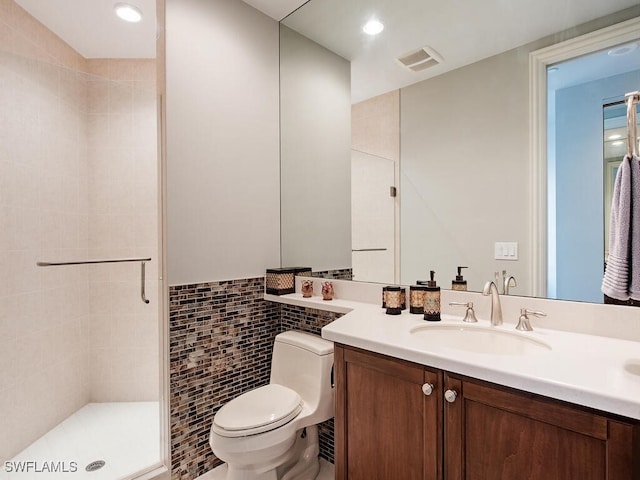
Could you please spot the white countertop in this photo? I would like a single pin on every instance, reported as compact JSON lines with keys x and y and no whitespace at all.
{"x":583,"y":369}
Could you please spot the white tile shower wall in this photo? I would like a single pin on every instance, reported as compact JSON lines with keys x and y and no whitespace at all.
{"x":49,"y":210}
{"x":43,"y":216}
{"x":122,"y":193}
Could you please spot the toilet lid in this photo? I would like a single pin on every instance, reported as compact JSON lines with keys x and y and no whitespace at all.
{"x":258,"y":410}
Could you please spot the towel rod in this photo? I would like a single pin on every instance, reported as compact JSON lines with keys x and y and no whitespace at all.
{"x":110,"y":260}
{"x":87,"y":262}
{"x":632,"y":121}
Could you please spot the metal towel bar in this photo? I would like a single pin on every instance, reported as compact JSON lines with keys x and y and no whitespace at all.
{"x":86,"y":262}
{"x":114,"y":260}
{"x":632,"y":99}
{"x":142,"y":277}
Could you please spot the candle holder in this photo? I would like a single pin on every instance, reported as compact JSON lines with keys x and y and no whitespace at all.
{"x":307,"y":288}
{"x":327,"y":291}
{"x":393,"y":300}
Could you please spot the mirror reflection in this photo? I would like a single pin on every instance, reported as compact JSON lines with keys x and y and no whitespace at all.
{"x":615,"y":146}
{"x":577,"y":182}
{"x":449,"y":138}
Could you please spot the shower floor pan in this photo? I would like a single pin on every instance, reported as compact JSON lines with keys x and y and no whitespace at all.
{"x":123,"y":435}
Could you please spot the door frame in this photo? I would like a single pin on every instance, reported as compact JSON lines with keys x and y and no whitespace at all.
{"x":538,"y":61}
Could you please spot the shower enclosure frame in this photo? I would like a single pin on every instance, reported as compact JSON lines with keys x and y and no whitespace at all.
{"x":162,"y":468}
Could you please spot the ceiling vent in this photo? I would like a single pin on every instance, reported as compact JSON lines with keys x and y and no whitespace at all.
{"x":421,"y":59}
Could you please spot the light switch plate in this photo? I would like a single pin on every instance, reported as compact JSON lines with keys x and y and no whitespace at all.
{"x":506,"y":250}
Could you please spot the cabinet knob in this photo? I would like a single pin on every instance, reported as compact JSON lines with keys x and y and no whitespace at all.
{"x":450,"y":396}
{"x":427,"y":388}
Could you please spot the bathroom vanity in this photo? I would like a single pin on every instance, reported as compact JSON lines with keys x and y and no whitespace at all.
{"x":454,"y":400}
{"x":399,"y":419}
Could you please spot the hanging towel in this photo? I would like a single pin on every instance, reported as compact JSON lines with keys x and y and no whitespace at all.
{"x":622,"y":275}
{"x":634,"y":248}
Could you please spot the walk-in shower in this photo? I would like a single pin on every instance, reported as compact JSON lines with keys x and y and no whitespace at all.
{"x":79,"y":345}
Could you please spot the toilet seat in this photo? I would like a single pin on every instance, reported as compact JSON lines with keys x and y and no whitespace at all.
{"x":257,"y":411}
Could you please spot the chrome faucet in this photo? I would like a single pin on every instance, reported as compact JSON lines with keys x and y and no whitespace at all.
{"x":509,"y":281}
{"x":496,"y":310}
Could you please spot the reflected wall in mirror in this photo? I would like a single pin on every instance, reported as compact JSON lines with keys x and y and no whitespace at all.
{"x":315,"y":106}
{"x":463,"y":173}
{"x":577,"y":154}
{"x":375,"y":168}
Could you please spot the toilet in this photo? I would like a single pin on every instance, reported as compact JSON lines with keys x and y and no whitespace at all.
{"x":271,"y":432}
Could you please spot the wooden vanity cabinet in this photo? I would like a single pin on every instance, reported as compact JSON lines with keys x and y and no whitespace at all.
{"x":386,"y":428}
{"x":496,"y":433}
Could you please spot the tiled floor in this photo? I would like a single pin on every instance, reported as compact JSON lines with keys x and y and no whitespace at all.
{"x":124,"y":435}
{"x":326,"y":472}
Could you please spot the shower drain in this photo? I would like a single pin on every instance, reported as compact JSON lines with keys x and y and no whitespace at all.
{"x":93,"y":466}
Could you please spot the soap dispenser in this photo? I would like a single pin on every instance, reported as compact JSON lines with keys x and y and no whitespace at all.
{"x":459,"y":283}
{"x":432,"y":300}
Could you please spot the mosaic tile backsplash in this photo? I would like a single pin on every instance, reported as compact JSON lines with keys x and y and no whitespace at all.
{"x":311,"y":320}
{"x":339,"y":274}
{"x":221,"y":336}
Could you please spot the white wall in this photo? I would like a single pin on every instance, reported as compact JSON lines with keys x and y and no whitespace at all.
{"x":579,"y":175}
{"x":464,"y":181}
{"x":222,"y":141}
{"x":316,"y":154}
{"x":464,"y":172}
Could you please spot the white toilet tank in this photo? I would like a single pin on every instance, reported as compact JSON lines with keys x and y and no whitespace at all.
{"x":303,"y":362}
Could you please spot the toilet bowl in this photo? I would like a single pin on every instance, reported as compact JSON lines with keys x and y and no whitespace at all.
{"x":270,"y":433}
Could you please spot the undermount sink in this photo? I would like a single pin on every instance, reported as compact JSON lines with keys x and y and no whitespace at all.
{"x":477,"y":339}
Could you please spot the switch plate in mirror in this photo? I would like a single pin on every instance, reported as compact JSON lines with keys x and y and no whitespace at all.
{"x":506,"y":251}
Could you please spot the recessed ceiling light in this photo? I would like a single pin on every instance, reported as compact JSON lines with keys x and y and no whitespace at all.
{"x":623,"y":50}
{"x":373,"y":27}
{"x":614,"y":137}
{"x":127,"y":12}
{"x":617,"y":143}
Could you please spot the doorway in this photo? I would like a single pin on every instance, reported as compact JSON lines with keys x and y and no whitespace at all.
{"x":566,"y":159}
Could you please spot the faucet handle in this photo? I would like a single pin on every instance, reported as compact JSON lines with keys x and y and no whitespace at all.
{"x":470,"y":314}
{"x":523,"y":322}
{"x":509,"y":281}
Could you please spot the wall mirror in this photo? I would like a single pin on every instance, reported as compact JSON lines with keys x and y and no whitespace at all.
{"x":437,"y":106}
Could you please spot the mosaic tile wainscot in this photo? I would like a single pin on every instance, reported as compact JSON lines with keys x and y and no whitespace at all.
{"x":221,"y":336}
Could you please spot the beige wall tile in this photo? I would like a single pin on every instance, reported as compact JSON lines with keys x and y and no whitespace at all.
{"x":375,"y":126}
{"x":98,"y":67}
{"x":121,"y":133}
{"x":145,"y":70}
{"x":6,"y":9}
{"x":122,"y":69}
{"x":97,"y":130}
{"x":97,"y":96}
{"x":66,"y":193}
{"x":145,"y":97}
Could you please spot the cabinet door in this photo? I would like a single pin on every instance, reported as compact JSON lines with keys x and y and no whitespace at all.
{"x":501,"y":434}
{"x":386,"y":427}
